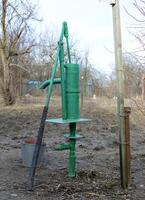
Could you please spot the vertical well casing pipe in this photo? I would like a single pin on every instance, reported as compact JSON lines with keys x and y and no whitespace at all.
{"x":72,"y":154}
{"x":120,"y":89}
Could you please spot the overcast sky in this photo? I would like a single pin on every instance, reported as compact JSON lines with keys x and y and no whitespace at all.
{"x":90,"y":22}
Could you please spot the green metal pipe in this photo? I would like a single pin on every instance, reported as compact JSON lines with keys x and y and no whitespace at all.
{"x":47,"y":83}
{"x":68,"y":50}
{"x":62,"y":74}
{"x":72,"y":156}
{"x":120,"y":90}
{"x":61,"y":147}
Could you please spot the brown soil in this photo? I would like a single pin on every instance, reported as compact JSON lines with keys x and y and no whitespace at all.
{"x":98,"y":175}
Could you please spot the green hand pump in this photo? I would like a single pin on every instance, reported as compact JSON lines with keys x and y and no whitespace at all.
{"x":69,"y":81}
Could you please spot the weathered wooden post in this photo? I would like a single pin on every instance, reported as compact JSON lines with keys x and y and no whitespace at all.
{"x":120,"y":90}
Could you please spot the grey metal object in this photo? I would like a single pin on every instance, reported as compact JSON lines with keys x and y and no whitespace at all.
{"x":27,"y":151}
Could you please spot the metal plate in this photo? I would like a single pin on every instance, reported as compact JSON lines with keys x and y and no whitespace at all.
{"x":76,"y":136}
{"x":62,"y":121}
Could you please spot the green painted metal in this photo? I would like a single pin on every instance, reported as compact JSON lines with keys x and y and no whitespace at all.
{"x":76,"y":136}
{"x":62,"y":74}
{"x":72,"y":91}
{"x":70,"y":146}
{"x":67,"y":43}
{"x":67,"y":121}
{"x":46,"y":83}
{"x":72,"y":153}
{"x":61,"y":147}
{"x":69,"y":81}
{"x":120,"y":91}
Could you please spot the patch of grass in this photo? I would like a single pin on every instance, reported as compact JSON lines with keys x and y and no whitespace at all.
{"x":109,"y":184}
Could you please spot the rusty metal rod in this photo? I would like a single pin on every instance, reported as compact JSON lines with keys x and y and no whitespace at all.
{"x":143,"y":88}
{"x":127,"y":111}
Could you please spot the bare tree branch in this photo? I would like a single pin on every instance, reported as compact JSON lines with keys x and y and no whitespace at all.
{"x":19,"y":66}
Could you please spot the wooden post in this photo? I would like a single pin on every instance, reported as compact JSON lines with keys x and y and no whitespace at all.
{"x":120,"y":89}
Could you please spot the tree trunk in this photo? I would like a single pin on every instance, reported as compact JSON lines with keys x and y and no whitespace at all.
{"x":6,"y":84}
{"x":7,"y":91}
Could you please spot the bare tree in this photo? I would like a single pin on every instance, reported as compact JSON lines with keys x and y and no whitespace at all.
{"x":135,"y":60}
{"x":92,"y":80}
{"x":15,"y":43}
{"x":137,"y":30}
{"x":43,"y":55}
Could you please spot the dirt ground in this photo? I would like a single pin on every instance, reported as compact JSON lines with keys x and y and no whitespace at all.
{"x":98,"y":175}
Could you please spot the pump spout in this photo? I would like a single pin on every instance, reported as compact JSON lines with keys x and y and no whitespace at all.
{"x":61,"y":147}
{"x":47,"y":82}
